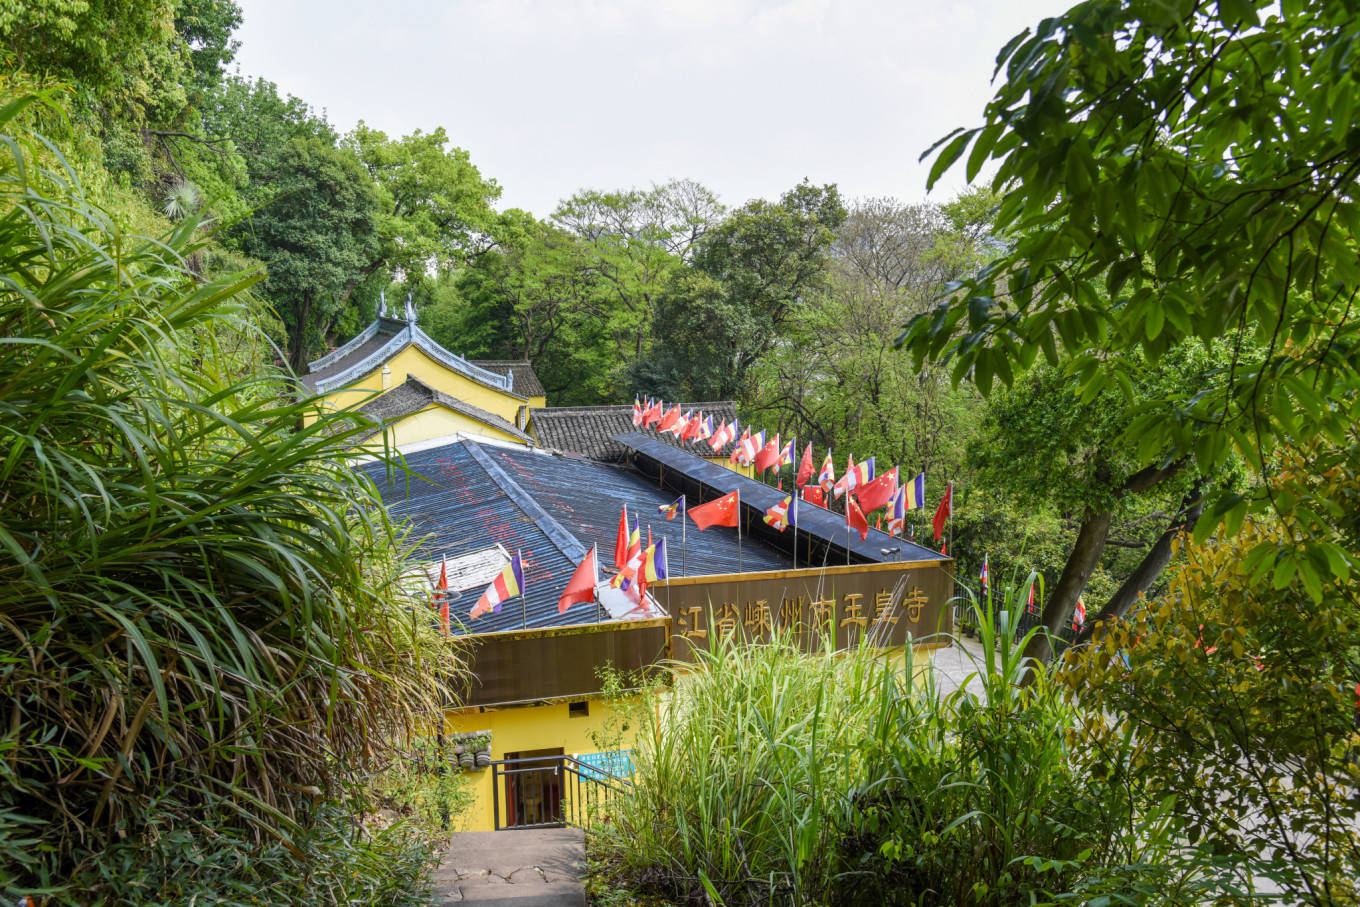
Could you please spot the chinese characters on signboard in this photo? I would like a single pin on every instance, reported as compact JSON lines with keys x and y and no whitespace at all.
{"x":877,"y":605}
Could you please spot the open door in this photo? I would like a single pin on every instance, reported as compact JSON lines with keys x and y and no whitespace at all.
{"x":533,"y":789}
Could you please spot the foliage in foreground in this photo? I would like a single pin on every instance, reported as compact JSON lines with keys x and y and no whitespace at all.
{"x":1176,"y":171}
{"x":770,"y":776}
{"x":1241,"y":696}
{"x":198,"y":599}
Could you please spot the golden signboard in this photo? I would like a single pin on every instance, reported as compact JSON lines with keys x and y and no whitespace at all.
{"x":882,"y":604}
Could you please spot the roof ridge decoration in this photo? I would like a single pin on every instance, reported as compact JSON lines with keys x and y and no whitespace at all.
{"x":567,"y":543}
{"x":407,"y":334}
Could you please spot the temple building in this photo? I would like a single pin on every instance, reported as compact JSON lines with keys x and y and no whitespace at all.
{"x":494,"y":473}
{"x":536,"y":672}
{"x":418,"y":391}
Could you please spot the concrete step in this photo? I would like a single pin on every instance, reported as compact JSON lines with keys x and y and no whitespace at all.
{"x":538,"y":867}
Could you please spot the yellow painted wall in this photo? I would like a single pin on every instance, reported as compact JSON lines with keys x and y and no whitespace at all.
{"x":748,"y":471}
{"x":436,"y":421}
{"x":412,"y":361}
{"x":534,"y":727}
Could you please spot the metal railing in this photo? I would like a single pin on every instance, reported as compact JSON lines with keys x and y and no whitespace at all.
{"x":550,"y":792}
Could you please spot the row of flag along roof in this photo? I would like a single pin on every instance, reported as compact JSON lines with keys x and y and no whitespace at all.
{"x":865,"y":491}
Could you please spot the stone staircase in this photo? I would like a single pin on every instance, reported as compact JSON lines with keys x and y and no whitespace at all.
{"x":529,"y":868}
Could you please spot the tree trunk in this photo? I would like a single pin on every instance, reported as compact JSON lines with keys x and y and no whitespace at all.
{"x":297,"y":338}
{"x":1153,"y":563}
{"x":1086,"y":552}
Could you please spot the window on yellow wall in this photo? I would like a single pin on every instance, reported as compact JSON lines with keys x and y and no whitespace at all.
{"x":578,"y":709}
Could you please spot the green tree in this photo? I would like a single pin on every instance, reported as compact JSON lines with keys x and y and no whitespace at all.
{"x":539,"y":291}
{"x":318,"y":229}
{"x":637,"y":240}
{"x":1239,"y":697}
{"x":767,"y":257}
{"x":1175,"y":171}
{"x":434,"y":205}
{"x":1043,"y":446}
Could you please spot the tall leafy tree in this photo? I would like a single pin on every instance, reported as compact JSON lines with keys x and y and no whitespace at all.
{"x":1174,"y":171}
{"x":434,"y":205}
{"x":767,"y":258}
{"x":538,"y":287}
{"x":637,"y":240}
{"x":315,"y":233}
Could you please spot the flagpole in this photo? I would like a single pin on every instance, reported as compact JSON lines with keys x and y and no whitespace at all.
{"x":684,"y":534}
{"x":739,"y":532}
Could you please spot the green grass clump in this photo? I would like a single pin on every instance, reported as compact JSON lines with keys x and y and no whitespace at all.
{"x":770,"y":776}
{"x":204,"y":636}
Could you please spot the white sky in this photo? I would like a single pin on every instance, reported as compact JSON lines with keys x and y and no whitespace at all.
{"x":746,"y":96}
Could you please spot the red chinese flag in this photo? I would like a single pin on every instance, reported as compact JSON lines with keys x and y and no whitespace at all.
{"x":768,"y":456}
{"x":581,"y":588}
{"x":854,"y":518}
{"x":875,"y":494}
{"x":621,"y":543}
{"x":805,"y":468}
{"x":814,"y":494}
{"x":943,"y":511}
{"x":651,"y":415}
{"x":718,"y":512}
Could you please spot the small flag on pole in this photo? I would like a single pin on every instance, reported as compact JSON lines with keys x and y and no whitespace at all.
{"x":581,"y":587}
{"x":721,"y":511}
{"x":654,"y":565}
{"x":441,"y":595}
{"x":854,"y":518}
{"x":916,"y":492}
{"x":897,"y":512}
{"x":783,"y":514}
{"x":827,"y":477}
{"x":846,"y":482}
{"x":670,"y":509}
{"x":621,"y":540}
{"x":503,"y":588}
{"x":637,"y":411}
{"x":943,"y":511}
{"x":805,"y":468}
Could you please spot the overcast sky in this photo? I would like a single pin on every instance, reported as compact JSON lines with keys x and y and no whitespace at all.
{"x":745,"y":96}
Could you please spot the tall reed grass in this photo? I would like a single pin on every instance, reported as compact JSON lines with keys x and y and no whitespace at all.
{"x":198,"y":601}
{"x":770,"y":776}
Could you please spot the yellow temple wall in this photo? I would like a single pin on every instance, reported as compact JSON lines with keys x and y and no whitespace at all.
{"x":535,"y":727}
{"x":412,"y":361}
{"x":437,"y":422}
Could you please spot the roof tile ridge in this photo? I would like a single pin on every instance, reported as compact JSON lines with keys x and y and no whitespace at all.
{"x":567,"y":543}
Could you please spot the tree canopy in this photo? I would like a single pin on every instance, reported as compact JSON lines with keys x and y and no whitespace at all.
{"x":1171,"y":172}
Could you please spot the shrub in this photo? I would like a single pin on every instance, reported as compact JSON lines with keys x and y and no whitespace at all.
{"x":203,"y":625}
{"x":1238,"y":690}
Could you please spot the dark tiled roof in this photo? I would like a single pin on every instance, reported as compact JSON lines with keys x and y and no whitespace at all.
{"x":703,"y":481}
{"x":465,"y":496}
{"x":585,"y":497}
{"x":526,"y":382}
{"x":414,"y":395}
{"x":590,"y":430}
{"x":386,"y":329}
{"x":381,"y":341}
